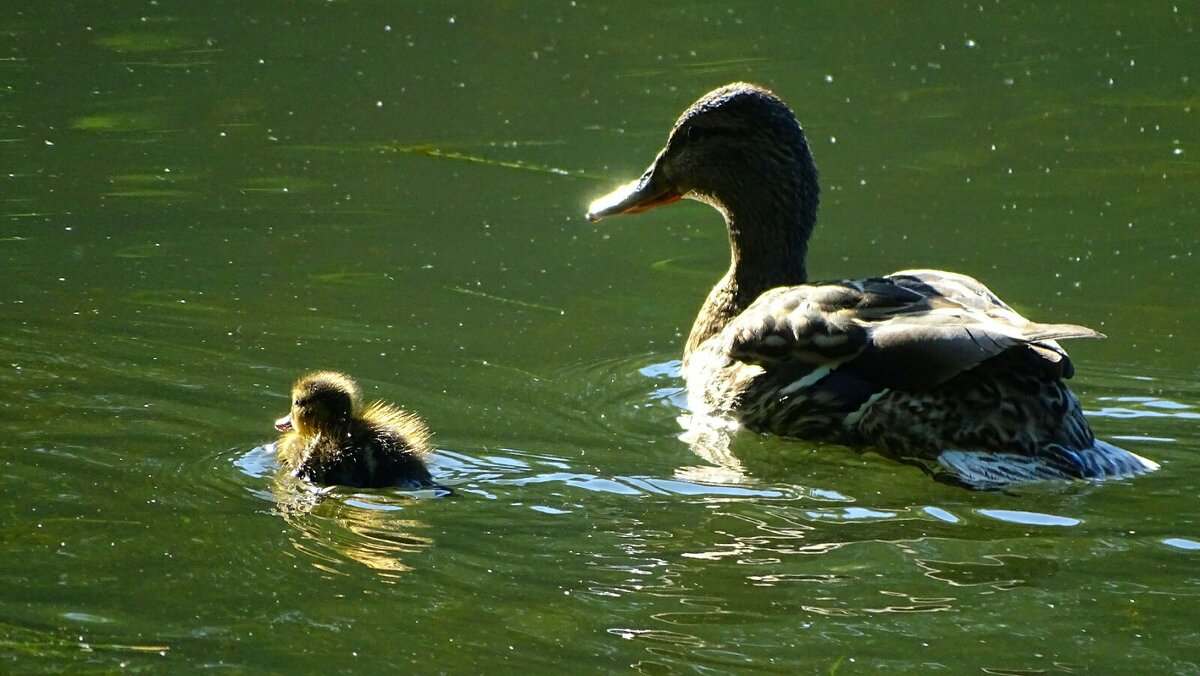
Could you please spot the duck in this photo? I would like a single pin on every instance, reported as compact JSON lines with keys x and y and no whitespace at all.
{"x":330,"y":438}
{"x":926,"y":367}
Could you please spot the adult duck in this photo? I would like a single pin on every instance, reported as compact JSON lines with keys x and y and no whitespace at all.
{"x":331,"y":438}
{"x":929,"y":367}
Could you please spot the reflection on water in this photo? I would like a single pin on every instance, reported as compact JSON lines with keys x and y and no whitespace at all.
{"x":1029,"y":518}
{"x":778,"y":534}
{"x":1145,"y":407}
{"x":368,"y":529}
{"x":710,"y":438}
{"x":333,"y":524}
{"x":999,"y":572}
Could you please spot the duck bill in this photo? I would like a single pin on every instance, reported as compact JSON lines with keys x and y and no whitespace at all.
{"x":634,"y":197}
{"x":284,"y":424}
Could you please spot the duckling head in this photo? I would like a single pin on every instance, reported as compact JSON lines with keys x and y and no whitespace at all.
{"x":322,"y":403}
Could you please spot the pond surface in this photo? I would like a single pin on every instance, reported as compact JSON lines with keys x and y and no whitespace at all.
{"x":202,"y":201}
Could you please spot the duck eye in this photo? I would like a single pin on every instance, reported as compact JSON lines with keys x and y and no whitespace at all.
{"x":694,"y":133}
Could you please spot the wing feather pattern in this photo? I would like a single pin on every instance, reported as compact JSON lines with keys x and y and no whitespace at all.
{"x":908,"y":331}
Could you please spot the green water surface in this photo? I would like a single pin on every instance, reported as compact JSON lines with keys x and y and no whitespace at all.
{"x":200,"y":201}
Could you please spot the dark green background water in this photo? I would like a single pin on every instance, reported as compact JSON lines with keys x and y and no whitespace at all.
{"x":201,"y":201}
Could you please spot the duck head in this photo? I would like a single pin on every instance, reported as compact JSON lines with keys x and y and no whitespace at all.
{"x":738,"y":148}
{"x":322,"y":402}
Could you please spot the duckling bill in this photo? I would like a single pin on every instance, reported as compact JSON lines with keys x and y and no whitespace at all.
{"x":331,"y":438}
{"x":927,"y":366}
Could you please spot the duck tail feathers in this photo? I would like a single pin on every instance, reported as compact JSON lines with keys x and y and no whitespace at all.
{"x":990,"y":471}
{"x":1036,"y":332}
{"x":1105,"y":461}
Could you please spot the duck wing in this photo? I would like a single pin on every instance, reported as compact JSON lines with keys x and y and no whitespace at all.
{"x":908,"y":331}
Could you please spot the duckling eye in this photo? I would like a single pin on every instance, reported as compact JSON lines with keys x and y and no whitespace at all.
{"x":694,"y":133}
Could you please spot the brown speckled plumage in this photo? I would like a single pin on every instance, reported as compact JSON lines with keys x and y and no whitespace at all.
{"x":927,"y":366}
{"x":330,"y":438}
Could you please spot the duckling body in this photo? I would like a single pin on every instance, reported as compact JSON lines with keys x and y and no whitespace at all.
{"x":330,"y":438}
{"x":927,"y":366}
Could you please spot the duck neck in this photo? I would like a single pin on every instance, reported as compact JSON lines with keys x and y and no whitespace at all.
{"x":768,"y":243}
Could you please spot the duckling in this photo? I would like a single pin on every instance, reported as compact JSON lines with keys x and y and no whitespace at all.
{"x":927,"y":366}
{"x":330,"y":438}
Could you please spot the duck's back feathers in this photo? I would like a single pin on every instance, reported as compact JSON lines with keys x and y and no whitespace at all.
{"x":371,"y":454}
{"x":385,"y":447}
{"x":409,"y":431}
{"x":929,"y":367}
{"x":908,"y":331}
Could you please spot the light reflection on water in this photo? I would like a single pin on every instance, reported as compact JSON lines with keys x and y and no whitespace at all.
{"x":1029,"y":518}
{"x":370,"y":530}
{"x":376,"y":529}
{"x":1173,"y":409}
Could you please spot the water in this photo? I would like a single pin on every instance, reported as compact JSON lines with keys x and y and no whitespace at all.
{"x":202,"y":200}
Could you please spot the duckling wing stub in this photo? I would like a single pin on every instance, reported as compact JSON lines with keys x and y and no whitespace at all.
{"x":899,"y":333}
